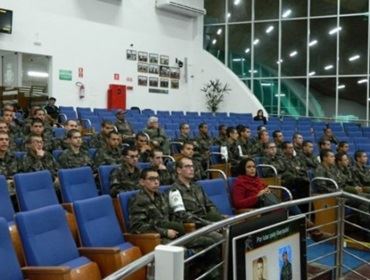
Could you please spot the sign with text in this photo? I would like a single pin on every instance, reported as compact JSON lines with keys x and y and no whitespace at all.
{"x":65,"y":75}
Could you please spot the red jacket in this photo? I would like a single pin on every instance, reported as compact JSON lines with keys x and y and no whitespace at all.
{"x":245,"y":190}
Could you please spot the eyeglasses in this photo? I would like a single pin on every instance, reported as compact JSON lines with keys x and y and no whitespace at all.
{"x":153,"y":179}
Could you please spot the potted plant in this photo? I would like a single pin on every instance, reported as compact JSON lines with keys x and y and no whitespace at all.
{"x":215,"y":92}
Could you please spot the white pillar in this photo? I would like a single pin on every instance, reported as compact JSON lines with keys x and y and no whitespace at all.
{"x":169,"y":262}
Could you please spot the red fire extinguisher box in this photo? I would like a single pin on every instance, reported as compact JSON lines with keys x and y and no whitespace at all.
{"x":117,"y":97}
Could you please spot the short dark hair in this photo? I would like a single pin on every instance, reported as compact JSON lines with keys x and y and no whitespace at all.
{"x":306,"y":142}
{"x":339,"y":156}
{"x":145,"y":172}
{"x":230,"y":130}
{"x":285,"y":144}
{"x":275,"y":132}
{"x":128,"y":149}
{"x":36,"y":120}
{"x":153,"y":151}
{"x":221,"y":126}
{"x":71,"y":132}
{"x":295,"y":135}
{"x":324,"y":153}
{"x":181,"y":126}
{"x":323,"y":141}
{"x":112,"y":132}
{"x":141,"y":134}
{"x":186,"y":143}
{"x":358,"y":154}
{"x":260,"y":260}
{"x":341,"y":144}
{"x":201,"y":125}
{"x":52,"y":98}
{"x":106,"y":122}
{"x":259,"y":135}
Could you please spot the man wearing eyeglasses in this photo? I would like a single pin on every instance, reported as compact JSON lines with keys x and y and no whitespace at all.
{"x":126,"y":177}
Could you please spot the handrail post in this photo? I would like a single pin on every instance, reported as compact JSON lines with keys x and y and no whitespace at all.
{"x":340,"y":237}
{"x":169,"y":262}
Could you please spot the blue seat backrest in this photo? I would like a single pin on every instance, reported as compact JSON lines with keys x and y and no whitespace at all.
{"x":124,"y":198}
{"x":230,"y":183}
{"x":9,"y":268}
{"x":104,"y":177}
{"x":77,"y":183}
{"x":6,"y":206}
{"x":35,"y":190}
{"x":142,"y":165}
{"x":97,"y":222}
{"x":56,"y":153}
{"x":59,"y":132}
{"x":46,"y":237}
{"x":215,"y":189}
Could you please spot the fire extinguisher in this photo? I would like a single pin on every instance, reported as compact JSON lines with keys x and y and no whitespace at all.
{"x":81,"y":89}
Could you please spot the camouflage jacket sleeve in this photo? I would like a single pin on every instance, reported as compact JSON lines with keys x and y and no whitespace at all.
{"x":121,"y":181}
{"x":322,"y":186}
{"x":165,"y":177}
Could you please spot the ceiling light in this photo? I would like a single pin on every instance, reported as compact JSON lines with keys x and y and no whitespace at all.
{"x":236,"y":2}
{"x":214,"y":41}
{"x":328,"y":67}
{"x":312,"y":43}
{"x":335,"y":30}
{"x":238,"y":59}
{"x":254,"y":71}
{"x":287,"y":13}
{"x":293,"y":53}
{"x":269,"y":29}
{"x":219,"y":31}
{"x":312,"y":73}
{"x":256,"y":41}
{"x":228,"y":15}
{"x":354,"y":57}
{"x":341,"y":86}
{"x":37,"y":74}
{"x":281,"y":95}
{"x":247,"y":50}
{"x":362,"y":81}
{"x":266,"y":84}
{"x":279,"y":61}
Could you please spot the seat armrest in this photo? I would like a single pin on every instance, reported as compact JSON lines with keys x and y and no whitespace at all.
{"x":145,"y":241}
{"x":68,"y":207}
{"x":85,"y":251}
{"x":190,"y":227}
{"x":46,"y":272}
{"x":245,"y":210}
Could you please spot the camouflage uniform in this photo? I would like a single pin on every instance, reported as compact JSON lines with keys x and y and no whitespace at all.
{"x":158,"y":135}
{"x":69,"y":159}
{"x":107,"y":156}
{"x":31,"y":162}
{"x":152,"y":215}
{"x":362,"y":174}
{"x":203,"y":145}
{"x":277,"y":162}
{"x":121,"y":180}
{"x":165,"y":176}
{"x":184,"y":138}
{"x":124,"y":128}
{"x":8,"y":165}
{"x":233,"y":156}
{"x":258,"y":149}
{"x":199,"y":172}
{"x":97,"y":141}
{"x":346,"y":179}
{"x":327,"y":172}
{"x":311,"y":162}
{"x":220,"y":141}
{"x":247,"y":146}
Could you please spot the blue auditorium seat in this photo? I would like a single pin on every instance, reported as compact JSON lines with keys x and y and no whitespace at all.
{"x":104,"y":175}
{"x":56,"y":153}
{"x":58,"y":132}
{"x":123,"y":199}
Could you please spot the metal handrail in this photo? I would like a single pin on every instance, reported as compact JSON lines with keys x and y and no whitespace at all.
{"x":269,"y":166}
{"x":136,"y":265}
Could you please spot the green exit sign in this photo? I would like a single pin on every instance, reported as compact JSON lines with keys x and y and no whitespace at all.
{"x":65,"y":75}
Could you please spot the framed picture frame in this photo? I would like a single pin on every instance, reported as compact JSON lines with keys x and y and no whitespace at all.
{"x":143,"y":56}
{"x":164,"y":83}
{"x":142,"y":80}
{"x":164,"y":71}
{"x":175,"y":84}
{"x":142,"y":67}
{"x":131,"y":55}
{"x":175,"y":73}
{"x":153,"y":81}
{"x":164,"y":60}
{"x":153,"y":58}
{"x":154,"y":69}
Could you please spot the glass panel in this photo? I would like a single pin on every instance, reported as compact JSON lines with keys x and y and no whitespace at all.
{"x":353,"y":45}
{"x":322,"y":97}
{"x":215,"y":11}
{"x":239,"y":10}
{"x":266,"y":91}
{"x":266,"y":49}
{"x":9,"y":69}
{"x":240,"y":49}
{"x":214,"y":41}
{"x":323,"y":46}
{"x":266,"y":9}
{"x":294,"y":8}
{"x":293,"y":97}
{"x":352,"y":98}
{"x":320,"y":7}
{"x":353,"y":6}
{"x":35,"y":70}
{"x":293,"y":48}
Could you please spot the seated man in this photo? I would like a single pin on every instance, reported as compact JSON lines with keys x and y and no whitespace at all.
{"x":278,"y":138}
{"x":234,"y":150}
{"x":187,"y":150}
{"x":157,"y":135}
{"x":203,"y":144}
{"x":307,"y":156}
{"x":109,"y":153}
{"x":156,"y":160}
{"x":360,"y":170}
{"x":329,"y":135}
{"x":74,"y":156}
{"x":272,"y":158}
{"x":8,"y":161}
{"x":52,"y":110}
{"x":184,"y":133}
{"x":124,"y":127}
{"x":37,"y":128}
{"x":149,"y":210}
{"x":245,"y":140}
{"x":100,"y":139}
{"x":297,"y":141}
{"x":221,"y":140}
{"x":326,"y":169}
{"x":142,"y":145}
{"x":258,"y":148}
{"x":126,"y":177}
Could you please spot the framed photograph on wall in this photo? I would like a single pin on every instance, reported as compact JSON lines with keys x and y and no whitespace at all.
{"x":175,"y":84}
{"x":175,"y":73}
{"x":143,"y":56}
{"x":131,"y":55}
{"x":142,"y":81}
{"x":154,"y":69}
{"x":153,"y":58}
{"x":164,"y":60}
{"x":142,"y":67}
{"x":153,"y":81}
{"x":164,"y":82}
{"x":164,"y":71}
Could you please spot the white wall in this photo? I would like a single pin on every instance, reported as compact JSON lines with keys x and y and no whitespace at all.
{"x":94,"y":34}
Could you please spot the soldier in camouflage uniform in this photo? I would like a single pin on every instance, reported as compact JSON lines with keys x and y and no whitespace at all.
{"x":15,"y":131}
{"x":245,"y":140}
{"x":150,"y":212}
{"x":346,"y":179}
{"x":157,"y":135}
{"x":39,"y":113}
{"x":307,"y":156}
{"x":326,"y":169}
{"x":184,"y":133}
{"x":8,"y":161}
{"x":360,"y":171}
{"x":64,"y":143}
{"x":142,"y":145}
{"x":203,"y":144}
{"x":278,"y":138}
{"x":124,"y":128}
{"x":156,"y":159}
{"x":99,"y":140}
{"x":110,"y":153}
{"x":234,"y":150}
{"x":126,"y":177}
{"x":221,"y":140}
{"x":297,"y":141}
{"x":37,"y":128}
{"x":36,"y":158}
{"x":328,"y":135}
{"x":187,"y":150}
{"x":272,"y":158}
{"x":258,"y":148}
{"x":74,"y":156}
{"x":12,"y":141}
